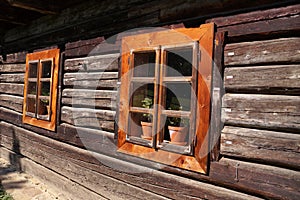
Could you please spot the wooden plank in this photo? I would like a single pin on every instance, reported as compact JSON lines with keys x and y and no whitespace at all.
{"x":85,"y":117}
{"x":269,"y":182}
{"x":12,"y":68}
{"x":12,"y":102}
{"x":278,"y":148}
{"x":93,"y":94}
{"x":262,"y":111}
{"x":91,"y":80}
{"x":12,"y":88}
{"x":37,"y":6}
{"x":66,"y":188}
{"x":12,"y":78}
{"x":93,"y":103}
{"x":82,"y":47}
{"x":19,"y":57}
{"x":216,"y":99}
{"x":280,"y":79}
{"x":108,"y":62}
{"x":81,"y":165}
{"x":283,"y":50}
{"x":283,"y":20}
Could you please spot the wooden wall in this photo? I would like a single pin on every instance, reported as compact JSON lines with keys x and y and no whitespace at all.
{"x":259,"y":144}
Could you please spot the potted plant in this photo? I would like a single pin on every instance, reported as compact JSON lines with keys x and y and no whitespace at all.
{"x":146,"y":119}
{"x":178,"y":127}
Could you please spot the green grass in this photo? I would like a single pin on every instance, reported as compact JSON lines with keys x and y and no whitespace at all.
{"x":4,"y":195}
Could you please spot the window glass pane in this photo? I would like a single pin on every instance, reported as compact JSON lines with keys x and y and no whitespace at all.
{"x":178,"y":96}
{"x":45,"y":88}
{"x":46,"y":69}
{"x":139,"y":126}
{"x":31,"y":89}
{"x":43,"y":107}
{"x":142,"y":95}
{"x":32,"y":70}
{"x":144,"y":64}
{"x":179,"y":61}
{"x":30,"y":105}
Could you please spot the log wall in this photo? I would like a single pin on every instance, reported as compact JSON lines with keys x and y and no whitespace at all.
{"x":258,"y":155}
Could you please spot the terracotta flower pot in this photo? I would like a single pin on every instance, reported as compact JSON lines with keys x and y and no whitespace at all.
{"x":177,"y":134}
{"x":147,"y":130}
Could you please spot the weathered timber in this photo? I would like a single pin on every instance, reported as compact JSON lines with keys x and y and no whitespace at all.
{"x":12,"y":88}
{"x":266,"y":181}
{"x":283,"y":20}
{"x":79,"y":164}
{"x":82,"y":47}
{"x":41,"y":7}
{"x":266,"y":146}
{"x":217,"y":93}
{"x":12,"y":78}
{"x":91,"y":80}
{"x":66,"y":188}
{"x":12,"y":68}
{"x":275,"y":112}
{"x":93,"y":103}
{"x":107,"y":62}
{"x":19,"y":57}
{"x":284,"y":50}
{"x":93,"y":94}
{"x":84,"y":117}
{"x":280,"y":79}
{"x":12,"y":102}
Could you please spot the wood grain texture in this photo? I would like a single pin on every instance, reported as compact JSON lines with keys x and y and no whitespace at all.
{"x":276,"y":112}
{"x":84,"y":168}
{"x":12,"y":102}
{"x":91,"y":80}
{"x":262,"y":23}
{"x":108,"y":62}
{"x":19,"y":57}
{"x":84,"y":117}
{"x":66,"y":188}
{"x":276,"y":79}
{"x":284,"y":50}
{"x":93,"y":94}
{"x":12,"y":88}
{"x":12,"y":78}
{"x":89,"y":103}
{"x":266,"y":146}
{"x":12,"y":68}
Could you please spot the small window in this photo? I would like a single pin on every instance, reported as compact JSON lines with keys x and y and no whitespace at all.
{"x":40,"y":89}
{"x":165,"y":96}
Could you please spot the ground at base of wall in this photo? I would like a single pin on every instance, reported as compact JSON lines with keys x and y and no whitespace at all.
{"x":22,"y":186}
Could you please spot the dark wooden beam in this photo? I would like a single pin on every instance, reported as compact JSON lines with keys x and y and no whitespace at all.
{"x":44,"y":7}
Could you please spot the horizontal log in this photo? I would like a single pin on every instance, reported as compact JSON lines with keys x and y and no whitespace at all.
{"x":80,"y":165}
{"x":280,"y":79}
{"x":279,"y":148}
{"x":283,"y":20}
{"x":284,"y":50}
{"x":19,"y":57}
{"x":9,"y":68}
{"x":110,"y":187}
{"x":12,"y":78}
{"x":91,"y":80}
{"x":93,"y":103}
{"x":82,"y":47}
{"x":12,"y":88}
{"x":55,"y":181}
{"x":84,"y":117}
{"x":275,"y":112}
{"x":253,"y":16}
{"x":12,"y":102}
{"x":108,"y":62}
{"x":92,"y":94}
{"x":266,"y":181}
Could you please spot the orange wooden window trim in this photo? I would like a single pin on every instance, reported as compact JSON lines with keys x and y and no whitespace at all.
{"x":41,"y":56}
{"x":205,"y":36}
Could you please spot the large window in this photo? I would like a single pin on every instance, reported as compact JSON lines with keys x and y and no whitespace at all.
{"x":165,"y":96}
{"x":40,"y":89}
